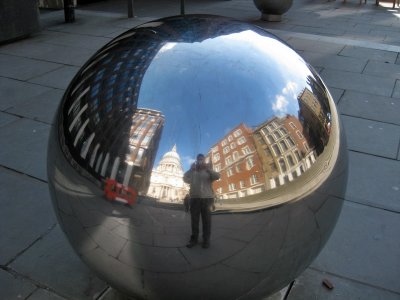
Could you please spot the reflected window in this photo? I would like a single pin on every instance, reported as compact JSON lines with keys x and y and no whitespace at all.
{"x":283,"y":131}
{"x":238,"y":168}
{"x":233,"y":145}
{"x":290,"y":160}
{"x":246,"y":150}
{"x":283,"y":145}
{"x":292,"y":125}
{"x":276,"y":150}
{"x":242,"y":184}
{"x":236,"y":155}
{"x":265,"y":130}
{"x":237,"y":133}
{"x":217,"y":168}
{"x":224,"y":142}
{"x":241,"y":140}
{"x":228,"y":160}
{"x":282,"y":164}
{"x":216,"y":157}
{"x":270,"y":138}
{"x":230,"y":138}
{"x":299,"y":134}
{"x":306,"y":147}
{"x":268,"y":151}
{"x":249,"y":163}
{"x":226,"y":150}
{"x":139,"y":156}
{"x":290,"y":141}
{"x":270,"y":127}
{"x":231,"y":187}
{"x":253,"y":179}
{"x":273,"y":167}
{"x":214,"y":149}
{"x":219,"y":190}
{"x":297,"y":153}
{"x":229,"y":172}
{"x":277,"y":134}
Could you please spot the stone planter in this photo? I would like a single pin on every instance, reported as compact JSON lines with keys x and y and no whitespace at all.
{"x":272,"y":10}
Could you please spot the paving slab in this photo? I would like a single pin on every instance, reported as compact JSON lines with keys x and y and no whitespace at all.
{"x":396,"y":90}
{"x":358,"y":82}
{"x":77,"y":40}
{"x":371,"y":54}
{"x":14,"y":92}
{"x":26,"y":147}
{"x":26,"y":213}
{"x":377,"y":68}
{"x":372,"y":137}
{"x":59,"y":78}
{"x":42,"y":107}
{"x":68,"y":55}
{"x":372,"y":107}
{"x":24,"y":68}
{"x":335,"y":62}
{"x":314,"y":46}
{"x":363,"y":248}
{"x":374,"y":181}
{"x":309,"y":286}
{"x":51,"y":262}
{"x":41,"y":294}
{"x":6,"y":118}
{"x":12,"y":287}
{"x":82,"y":27}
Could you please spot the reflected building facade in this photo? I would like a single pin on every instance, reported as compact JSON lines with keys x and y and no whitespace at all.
{"x":100,"y":143}
{"x":251,"y":161}
{"x":166,"y":183}
{"x":144,"y":138}
{"x":236,"y":159}
{"x":315,"y":121}
{"x":283,"y":149}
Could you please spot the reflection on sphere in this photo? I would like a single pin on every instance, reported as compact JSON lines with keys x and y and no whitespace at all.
{"x":131,"y":124}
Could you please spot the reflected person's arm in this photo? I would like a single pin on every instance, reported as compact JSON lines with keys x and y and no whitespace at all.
{"x":187,"y":177}
{"x":213,"y":175}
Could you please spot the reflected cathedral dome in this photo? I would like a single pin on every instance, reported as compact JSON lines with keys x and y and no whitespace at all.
{"x":132,"y":122}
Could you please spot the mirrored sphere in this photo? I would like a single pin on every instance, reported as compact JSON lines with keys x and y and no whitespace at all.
{"x":133,"y":121}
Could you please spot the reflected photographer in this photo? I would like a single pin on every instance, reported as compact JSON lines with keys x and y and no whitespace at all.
{"x":200,"y":178}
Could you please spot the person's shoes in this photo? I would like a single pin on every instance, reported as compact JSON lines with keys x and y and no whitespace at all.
{"x":191,"y":244}
{"x":206,"y":244}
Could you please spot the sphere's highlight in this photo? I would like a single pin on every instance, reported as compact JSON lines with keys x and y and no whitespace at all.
{"x":132,"y":122}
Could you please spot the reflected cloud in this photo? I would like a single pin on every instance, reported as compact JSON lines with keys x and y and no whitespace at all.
{"x":280,"y":105}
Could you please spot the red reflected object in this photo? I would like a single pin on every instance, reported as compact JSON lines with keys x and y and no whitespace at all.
{"x":115,"y":191}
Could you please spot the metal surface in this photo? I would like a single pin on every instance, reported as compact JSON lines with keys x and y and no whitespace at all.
{"x":135,"y":117}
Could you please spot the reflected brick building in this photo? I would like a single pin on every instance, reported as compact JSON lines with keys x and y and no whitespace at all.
{"x":236,"y":159}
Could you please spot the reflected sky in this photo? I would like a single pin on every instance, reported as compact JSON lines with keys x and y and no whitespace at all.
{"x":214,"y":87}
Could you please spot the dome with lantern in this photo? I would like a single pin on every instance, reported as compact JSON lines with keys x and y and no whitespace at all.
{"x":166,"y":182}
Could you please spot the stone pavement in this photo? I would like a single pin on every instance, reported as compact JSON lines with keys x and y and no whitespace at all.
{"x":354,"y":47}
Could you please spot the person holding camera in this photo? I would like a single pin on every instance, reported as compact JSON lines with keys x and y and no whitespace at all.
{"x":200,"y":178}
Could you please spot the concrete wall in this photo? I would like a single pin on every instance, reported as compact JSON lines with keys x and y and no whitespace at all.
{"x":18,"y":19}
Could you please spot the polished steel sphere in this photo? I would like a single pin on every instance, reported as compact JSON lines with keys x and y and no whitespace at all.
{"x":131,"y":124}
